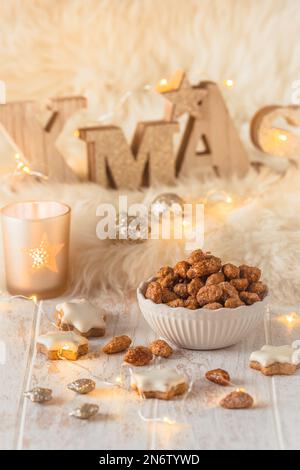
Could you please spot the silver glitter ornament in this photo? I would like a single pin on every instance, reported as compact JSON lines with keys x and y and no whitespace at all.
{"x":39,"y":394}
{"x":132,"y":228}
{"x":167,"y":202}
{"x":82,"y":386}
{"x":85,"y":411}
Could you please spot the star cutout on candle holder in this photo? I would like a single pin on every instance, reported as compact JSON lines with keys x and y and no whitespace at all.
{"x":44,"y":256}
{"x":182,"y":97}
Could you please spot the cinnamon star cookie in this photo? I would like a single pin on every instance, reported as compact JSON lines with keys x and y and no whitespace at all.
{"x":62,"y":345}
{"x":276,"y":360}
{"x":164,"y":384}
{"x":82,"y":317}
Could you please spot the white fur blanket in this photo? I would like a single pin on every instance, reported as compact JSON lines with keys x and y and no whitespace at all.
{"x":263,"y":228}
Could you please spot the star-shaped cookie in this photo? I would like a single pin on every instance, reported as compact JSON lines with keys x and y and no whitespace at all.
{"x":163,"y":384}
{"x":82,"y":317}
{"x":62,"y":345}
{"x":276,"y":360}
{"x":182,"y":97}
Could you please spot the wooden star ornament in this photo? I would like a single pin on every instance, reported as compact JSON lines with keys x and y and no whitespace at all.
{"x":44,"y":256}
{"x":181,"y":96}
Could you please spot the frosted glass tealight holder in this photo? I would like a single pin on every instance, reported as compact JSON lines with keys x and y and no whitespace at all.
{"x":36,"y":248}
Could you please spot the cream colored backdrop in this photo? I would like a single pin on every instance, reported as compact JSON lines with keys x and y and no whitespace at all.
{"x":104,"y":47}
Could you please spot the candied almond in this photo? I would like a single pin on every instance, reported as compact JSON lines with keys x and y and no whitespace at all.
{"x":176,"y":303}
{"x":213,"y":306}
{"x":218,"y":376}
{"x":227,"y":291}
{"x":250,"y":272}
{"x":167,"y":281}
{"x":215,"y":278}
{"x":194,"y":286}
{"x":258,"y":288}
{"x":233,"y":302}
{"x":191,"y":303}
{"x":195,"y":256}
{"x":138,"y":356}
{"x":239,"y":284}
{"x":168,"y":295}
{"x":231,"y":271}
{"x":160,"y":348}
{"x":117,"y":344}
{"x":164,"y":271}
{"x":154,"y":292}
{"x":209,"y":294}
{"x":181,"y":290}
{"x":205,"y":267}
{"x":181,"y":268}
{"x":237,"y":400}
{"x":249,"y":297}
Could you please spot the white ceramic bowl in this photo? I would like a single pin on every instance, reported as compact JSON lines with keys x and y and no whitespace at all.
{"x":201,"y":328}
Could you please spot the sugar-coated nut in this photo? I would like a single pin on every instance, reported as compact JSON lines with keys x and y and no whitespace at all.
{"x":164,"y":271}
{"x":195,"y":256}
{"x":194,"y":286}
{"x":213,"y":306}
{"x":239,"y":284}
{"x":227,"y":291}
{"x":117,"y":344}
{"x":202,"y":281}
{"x":218,"y":376}
{"x":191,"y":303}
{"x":192,"y":273}
{"x":249,"y":297}
{"x":215,"y":278}
{"x":209,"y":294}
{"x":233,"y":302}
{"x":154,"y":292}
{"x":168,"y":295}
{"x":181,"y":290}
{"x":231,"y":271}
{"x":181,"y":268}
{"x":258,"y":288}
{"x":205,"y":267}
{"x":176,"y":303}
{"x":138,"y":356}
{"x":237,"y":400}
{"x":160,"y":348}
{"x":250,"y":272}
{"x":167,"y":281}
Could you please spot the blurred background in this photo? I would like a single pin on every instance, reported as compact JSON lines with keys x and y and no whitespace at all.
{"x":104,"y":49}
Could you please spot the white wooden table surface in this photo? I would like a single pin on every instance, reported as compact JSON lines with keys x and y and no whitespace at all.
{"x":200,"y":423}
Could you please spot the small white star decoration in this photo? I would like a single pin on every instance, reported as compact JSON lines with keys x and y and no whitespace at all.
{"x":44,"y":256}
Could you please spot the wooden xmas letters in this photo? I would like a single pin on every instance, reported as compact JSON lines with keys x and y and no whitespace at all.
{"x":270,"y":138}
{"x":149,"y":160}
{"x":34,"y":128}
{"x":151,"y":157}
{"x":209,"y":121}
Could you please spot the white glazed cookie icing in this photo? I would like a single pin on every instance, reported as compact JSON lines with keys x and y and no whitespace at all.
{"x":268,"y":355}
{"x":157,"y":380}
{"x":57,"y":340}
{"x":81,"y":314}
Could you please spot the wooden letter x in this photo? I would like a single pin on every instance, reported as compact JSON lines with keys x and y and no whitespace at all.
{"x":34,"y":132}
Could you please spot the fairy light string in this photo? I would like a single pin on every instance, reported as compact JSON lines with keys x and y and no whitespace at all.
{"x":229,"y":83}
{"x":121,"y":380}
